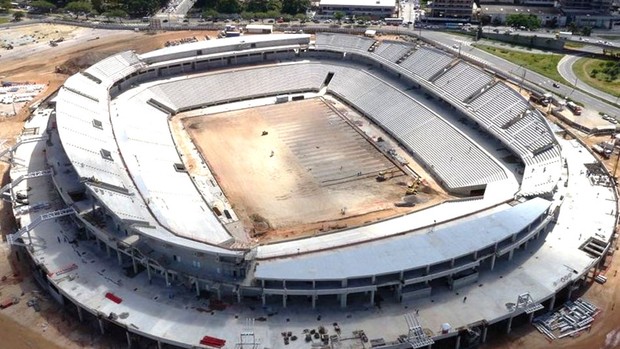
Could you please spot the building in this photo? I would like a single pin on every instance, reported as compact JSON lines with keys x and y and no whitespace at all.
{"x":549,"y":16}
{"x":451,"y":9}
{"x":590,"y":13}
{"x":591,"y":5}
{"x":373,"y":8}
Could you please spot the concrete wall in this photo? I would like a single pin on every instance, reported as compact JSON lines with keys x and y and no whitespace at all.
{"x":530,"y":41}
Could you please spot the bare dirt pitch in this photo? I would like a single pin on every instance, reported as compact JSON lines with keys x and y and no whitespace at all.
{"x":295,"y":164}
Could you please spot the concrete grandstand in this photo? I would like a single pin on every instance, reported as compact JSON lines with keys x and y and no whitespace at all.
{"x":124,"y":233}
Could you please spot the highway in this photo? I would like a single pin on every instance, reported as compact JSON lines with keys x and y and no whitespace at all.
{"x":454,"y":41}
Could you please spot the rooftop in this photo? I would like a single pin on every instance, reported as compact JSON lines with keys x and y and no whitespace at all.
{"x":359,"y":3}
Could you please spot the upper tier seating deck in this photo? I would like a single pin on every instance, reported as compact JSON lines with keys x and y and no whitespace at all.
{"x":426,"y":62}
{"x":463,"y":80}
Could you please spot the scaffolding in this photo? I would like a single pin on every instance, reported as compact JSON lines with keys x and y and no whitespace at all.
{"x":7,"y":191}
{"x":247,"y":337}
{"x":13,"y":238}
{"x":416,"y":335}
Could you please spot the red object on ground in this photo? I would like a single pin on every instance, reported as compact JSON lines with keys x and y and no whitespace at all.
{"x":113,"y":298}
{"x":7,"y":303}
{"x":212,"y":342}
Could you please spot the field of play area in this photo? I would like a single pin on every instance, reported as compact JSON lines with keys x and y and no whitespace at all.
{"x":298,"y":164}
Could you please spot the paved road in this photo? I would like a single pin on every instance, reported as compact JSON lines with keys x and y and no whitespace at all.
{"x":565,"y":68}
{"x":454,"y":41}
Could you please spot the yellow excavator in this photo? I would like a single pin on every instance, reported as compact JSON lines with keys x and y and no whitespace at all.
{"x":412,"y":187}
{"x":384,"y":176}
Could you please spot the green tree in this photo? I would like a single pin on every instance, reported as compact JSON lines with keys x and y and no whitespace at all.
{"x":295,"y":6}
{"x":115,"y":13}
{"x":140,"y":8}
{"x":301,"y":17}
{"x":210,"y":14}
{"x":523,"y":20}
{"x":261,"y":16}
{"x":485,"y":20}
{"x":586,"y":31}
{"x":18,"y":15}
{"x":42,"y":6}
{"x":338,"y":16}
{"x":79,"y":7}
{"x":273,"y":14}
{"x":256,"y":5}
{"x":97,"y":5}
{"x":228,"y":6}
{"x":5,"y":5}
{"x":247,"y":15}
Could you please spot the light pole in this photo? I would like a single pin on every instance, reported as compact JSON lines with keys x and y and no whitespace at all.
{"x":574,"y":86}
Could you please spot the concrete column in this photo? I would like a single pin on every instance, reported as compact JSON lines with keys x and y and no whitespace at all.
{"x":531,"y":319}
{"x":372,"y":297}
{"x":483,"y":337}
{"x":552,"y":303}
{"x":457,"y":345}
{"x":373,"y":279}
{"x":343,"y":300}
{"x":128,"y":339}
{"x":80,"y":315}
{"x":493,"y":257}
{"x":148,"y":271}
{"x":525,"y":244}
{"x":570,"y":290}
{"x":101,"y":326}
{"x":197,"y":288}
{"x":133,"y":261}
{"x":159,"y":346}
{"x":239,"y":295}
{"x":475,"y":255}
{"x":452,"y":263}
{"x":510,"y":254}
{"x":509,"y":327}
{"x":344,"y":283}
{"x":314,"y":297}
{"x":399,"y":291}
{"x":166,"y":276}
{"x":119,"y":257}
{"x":264,"y":299}
{"x":284,"y":301}
{"x":219,"y":294}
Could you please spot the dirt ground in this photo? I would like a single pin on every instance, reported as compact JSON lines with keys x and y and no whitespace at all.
{"x":21,"y":327}
{"x":300,"y":176}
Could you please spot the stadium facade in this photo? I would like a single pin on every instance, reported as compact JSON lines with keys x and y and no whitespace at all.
{"x":114,"y":224}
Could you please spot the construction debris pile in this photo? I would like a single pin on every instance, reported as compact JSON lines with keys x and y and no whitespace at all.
{"x":570,"y":320}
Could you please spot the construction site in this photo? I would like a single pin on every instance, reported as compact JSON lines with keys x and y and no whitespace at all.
{"x":309,"y":168}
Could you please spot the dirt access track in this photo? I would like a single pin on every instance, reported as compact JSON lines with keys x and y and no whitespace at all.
{"x":51,"y":328}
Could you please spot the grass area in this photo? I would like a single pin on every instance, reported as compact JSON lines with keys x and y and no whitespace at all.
{"x":574,"y":45}
{"x":4,"y":20}
{"x":609,"y":37}
{"x":544,"y":64}
{"x":592,"y":71}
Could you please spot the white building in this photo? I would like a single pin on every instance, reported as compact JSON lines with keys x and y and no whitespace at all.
{"x":373,"y":8}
